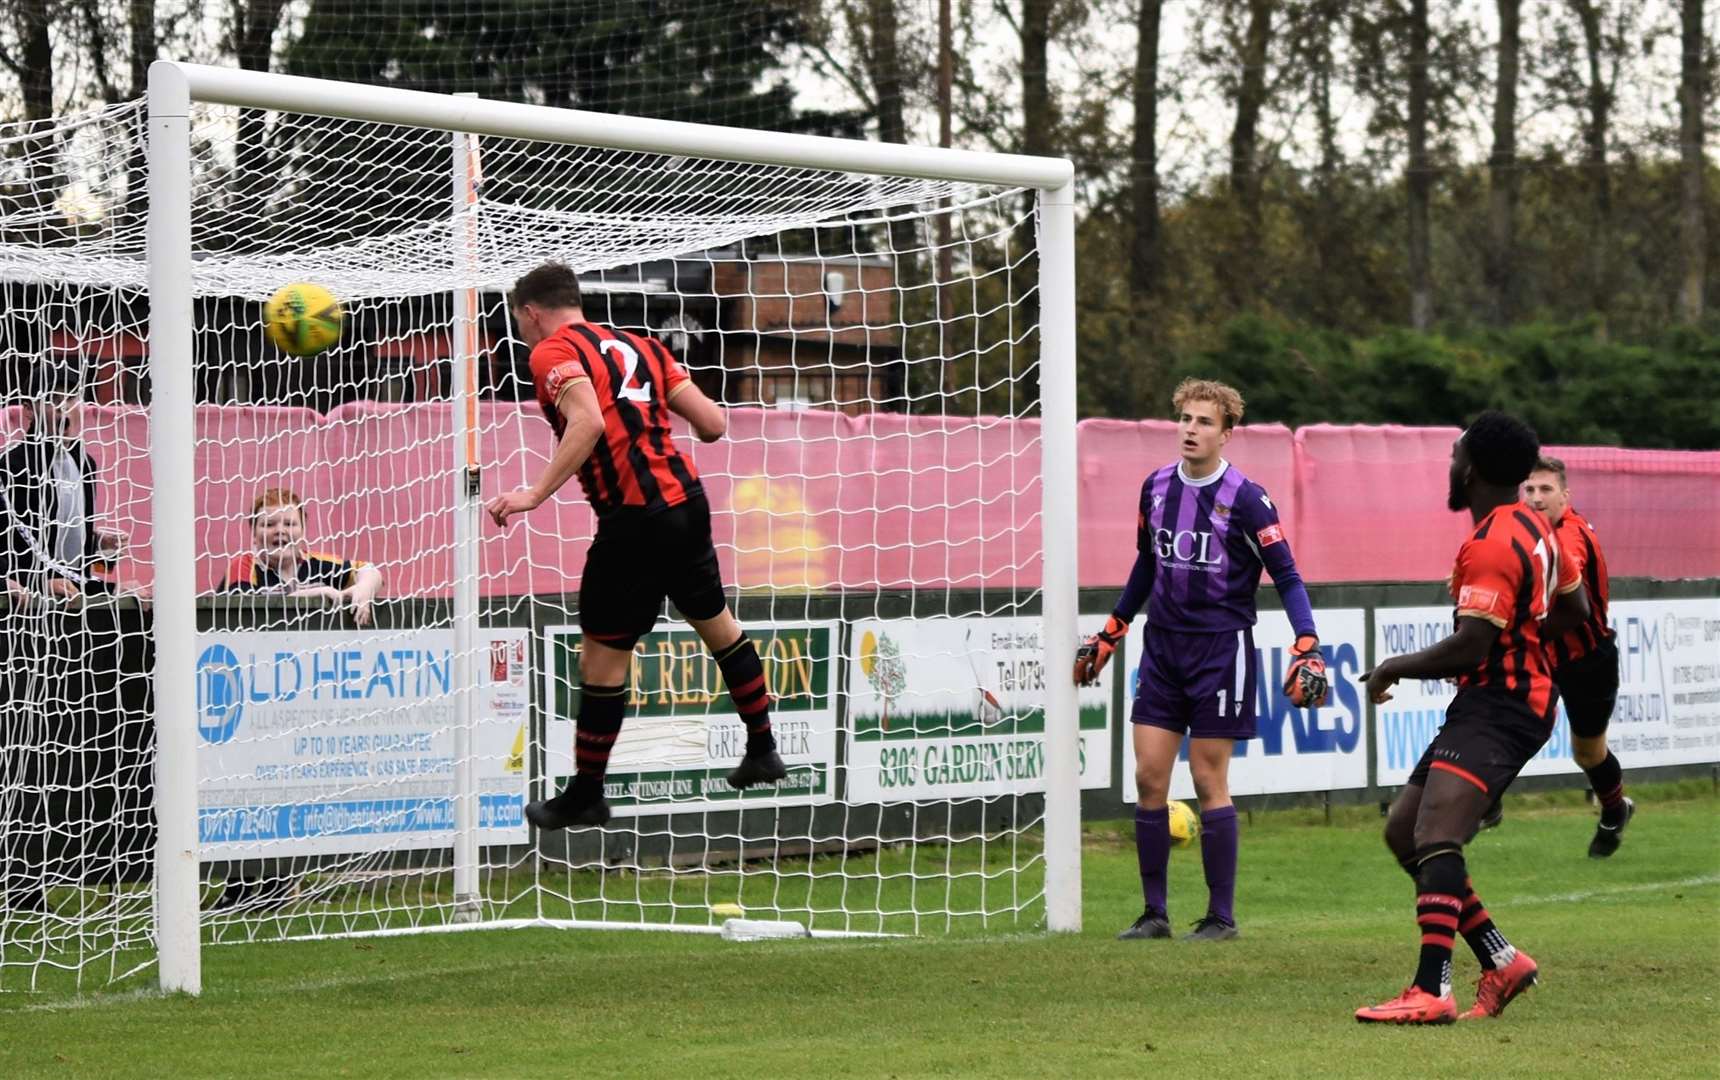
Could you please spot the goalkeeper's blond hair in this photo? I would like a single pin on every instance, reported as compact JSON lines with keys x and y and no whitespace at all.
{"x":1229,"y":402}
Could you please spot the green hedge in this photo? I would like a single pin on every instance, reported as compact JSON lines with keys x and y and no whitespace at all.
{"x":1569,"y":381}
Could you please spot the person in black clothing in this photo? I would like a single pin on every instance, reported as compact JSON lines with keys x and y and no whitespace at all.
{"x":51,"y":545}
{"x":57,"y":671}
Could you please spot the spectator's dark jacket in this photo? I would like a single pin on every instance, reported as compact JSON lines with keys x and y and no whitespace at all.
{"x":27,"y":516}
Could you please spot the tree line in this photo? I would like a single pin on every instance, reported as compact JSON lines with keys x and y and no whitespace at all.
{"x":1365,"y":208}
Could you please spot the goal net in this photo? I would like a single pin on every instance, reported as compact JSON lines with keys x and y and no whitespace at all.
{"x":379,"y":677}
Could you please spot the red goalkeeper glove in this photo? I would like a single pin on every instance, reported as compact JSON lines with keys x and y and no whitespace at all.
{"x":1305,"y":683}
{"x":1095,"y":652}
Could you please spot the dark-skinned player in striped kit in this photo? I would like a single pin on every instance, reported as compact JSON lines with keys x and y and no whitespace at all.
{"x":1512,"y":590}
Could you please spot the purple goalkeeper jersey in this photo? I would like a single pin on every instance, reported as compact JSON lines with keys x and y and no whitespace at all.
{"x":1202,"y":545}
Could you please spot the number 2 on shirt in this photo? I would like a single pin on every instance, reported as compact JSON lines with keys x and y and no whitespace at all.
{"x":630,"y":361}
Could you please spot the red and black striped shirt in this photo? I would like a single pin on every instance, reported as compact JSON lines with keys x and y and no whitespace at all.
{"x":1579,"y":547}
{"x":247,"y":573}
{"x":1507,"y":573}
{"x":635,"y":463}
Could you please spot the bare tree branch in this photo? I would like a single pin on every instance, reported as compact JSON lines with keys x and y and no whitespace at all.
{"x":830,"y":65}
{"x":95,"y":27}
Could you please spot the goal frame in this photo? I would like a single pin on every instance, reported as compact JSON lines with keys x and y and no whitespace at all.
{"x":175,"y":86}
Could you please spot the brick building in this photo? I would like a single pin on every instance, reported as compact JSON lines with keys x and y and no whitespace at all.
{"x":807,"y":332}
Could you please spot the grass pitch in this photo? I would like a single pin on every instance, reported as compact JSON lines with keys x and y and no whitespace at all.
{"x":1629,"y":952}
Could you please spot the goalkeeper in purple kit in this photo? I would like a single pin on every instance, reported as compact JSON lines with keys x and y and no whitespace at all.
{"x":1205,"y":531}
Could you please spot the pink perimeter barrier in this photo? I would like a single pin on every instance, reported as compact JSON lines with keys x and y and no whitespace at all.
{"x":1657,"y":512}
{"x":816,"y":500}
{"x":1116,"y":457}
{"x":1371,"y":504}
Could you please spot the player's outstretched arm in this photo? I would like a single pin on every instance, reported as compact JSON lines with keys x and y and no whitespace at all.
{"x":1095,"y":652}
{"x":1456,"y":654}
{"x":578,"y":405}
{"x":1305,"y":681}
{"x":1261,"y":519}
{"x":707,"y":418}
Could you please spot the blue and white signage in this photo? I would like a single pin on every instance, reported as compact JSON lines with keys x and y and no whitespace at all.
{"x":1323,"y":749}
{"x":331,"y":742}
{"x":1668,"y":709}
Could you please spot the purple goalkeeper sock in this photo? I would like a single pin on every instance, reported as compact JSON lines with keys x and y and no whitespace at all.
{"x":1153,"y":851}
{"x":1218,"y":859}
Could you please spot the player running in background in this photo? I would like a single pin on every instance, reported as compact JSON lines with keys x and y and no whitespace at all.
{"x":1504,"y":584}
{"x":1585,"y":658}
{"x":1203,"y":533}
{"x":608,"y":395}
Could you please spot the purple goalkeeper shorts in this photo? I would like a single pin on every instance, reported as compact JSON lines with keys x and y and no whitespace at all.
{"x":1201,"y":684}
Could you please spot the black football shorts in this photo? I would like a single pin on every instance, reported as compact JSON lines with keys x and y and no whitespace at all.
{"x":1588,"y":686}
{"x":1487,"y":738}
{"x":639,"y":558}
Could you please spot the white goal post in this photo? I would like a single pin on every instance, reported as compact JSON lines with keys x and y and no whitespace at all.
{"x":175,"y":88}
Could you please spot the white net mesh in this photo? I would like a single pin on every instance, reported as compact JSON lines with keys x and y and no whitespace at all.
{"x":875,"y":509}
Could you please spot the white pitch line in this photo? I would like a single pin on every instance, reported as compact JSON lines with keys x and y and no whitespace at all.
{"x":1497,"y":902}
{"x":92,"y":1002}
{"x":311,"y":985}
{"x":1616,"y":890}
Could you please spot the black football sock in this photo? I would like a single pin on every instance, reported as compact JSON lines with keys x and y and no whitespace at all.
{"x":601,"y":711}
{"x":1607,"y":779}
{"x":1489,"y":945}
{"x":1437,"y":908}
{"x":743,"y":674}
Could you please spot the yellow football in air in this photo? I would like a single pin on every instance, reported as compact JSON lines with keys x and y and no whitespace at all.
{"x":303,"y":319}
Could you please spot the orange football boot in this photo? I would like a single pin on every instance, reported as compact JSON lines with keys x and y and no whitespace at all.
{"x":1413,"y":1006}
{"x":1499,"y":986}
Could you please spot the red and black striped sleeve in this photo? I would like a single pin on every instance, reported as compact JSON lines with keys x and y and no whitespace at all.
{"x":241,"y":573}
